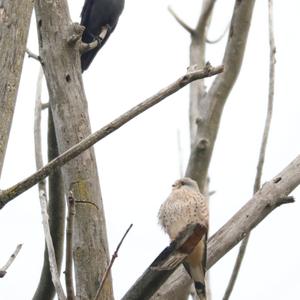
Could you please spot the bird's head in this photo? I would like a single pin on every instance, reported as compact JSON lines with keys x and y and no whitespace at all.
{"x":186,"y":181}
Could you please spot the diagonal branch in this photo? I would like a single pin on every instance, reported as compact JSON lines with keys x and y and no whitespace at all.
{"x":272,"y":194}
{"x":180,"y":21}
{"x":219,"y":38}
{"x":7,"y":195}
{"x":166,"y":263}
{"x":10,"y":261}
{"x":114,"y":256}
{"x":33,"y":55}
{"x":243,"y":247}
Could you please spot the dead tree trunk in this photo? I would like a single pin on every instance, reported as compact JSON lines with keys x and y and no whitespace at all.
{"x":69,"y":108}
{"x":15,"y":18}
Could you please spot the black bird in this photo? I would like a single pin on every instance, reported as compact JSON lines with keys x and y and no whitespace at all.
{"x":98,"y":16}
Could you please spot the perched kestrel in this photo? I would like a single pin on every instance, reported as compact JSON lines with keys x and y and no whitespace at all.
{"x":186,"y":205}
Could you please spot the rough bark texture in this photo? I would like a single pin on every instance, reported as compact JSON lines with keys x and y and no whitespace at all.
{"x":69,"y":108}
{"x":56,"y":212}
{"x":15,"y":18}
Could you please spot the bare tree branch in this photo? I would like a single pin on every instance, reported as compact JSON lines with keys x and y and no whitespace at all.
{"x":14,"y":20}
{"x":69,"y":248}
{"x":180,"y":21}
{"x":45,"y":106}
{"x":243,"y":247}
{"x":218,"y":39}
{"x":197,"y":57}
{"x":43,"y":190}
{"x":203,"y":21}
{"x":207,"y":111}
{"x":56,"y":211}
{"x":166,"y":263}
{"x":7,"y":195}
{"x":180,"y":155}
{"x":37,"y":124}
{"x":33,"y":55}
{"x":51,"y":253}
{"x":114,"y":256}
{"x":3,"y":270}
{"x":272,"y":194}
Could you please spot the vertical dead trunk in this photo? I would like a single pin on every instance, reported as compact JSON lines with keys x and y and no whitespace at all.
{"x":210,"y":106}
{"x":56,"y":212}
{"x":69,"y":108}
{"x":15,"y":18}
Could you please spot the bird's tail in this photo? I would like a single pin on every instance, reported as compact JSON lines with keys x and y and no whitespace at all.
{"x":196,"y":263}
{"x":200,"y":290}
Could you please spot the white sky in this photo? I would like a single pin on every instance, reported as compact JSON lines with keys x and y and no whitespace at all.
{"x":138,"y":163}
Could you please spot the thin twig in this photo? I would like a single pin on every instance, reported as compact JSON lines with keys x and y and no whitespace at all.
{"x":180,"y":21}
{"x":7,"y":195}
{"x":3,"y":270}
{"x":257,"y":183}
{"x":33,"y":55}
{"x":43,"y":192}
{"x":45,"y":106}
{"x":218,"y":39}
{"x":69,"y":247}
{"x":114,"y":256}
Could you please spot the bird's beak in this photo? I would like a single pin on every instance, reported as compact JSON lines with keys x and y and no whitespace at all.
{"x":177,"y":184}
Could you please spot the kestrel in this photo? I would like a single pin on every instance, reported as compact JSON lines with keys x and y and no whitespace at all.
{"x":186,"y":205}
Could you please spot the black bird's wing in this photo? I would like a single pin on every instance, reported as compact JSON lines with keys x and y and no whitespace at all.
{"x":96,"y":14}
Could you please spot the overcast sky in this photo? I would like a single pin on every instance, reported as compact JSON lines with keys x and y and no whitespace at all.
{"x":138,"y":163}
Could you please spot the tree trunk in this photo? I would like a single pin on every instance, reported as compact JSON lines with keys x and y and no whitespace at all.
{"x":15,"y":18}
{"x":69,"y":107}
{"x":56,"y":212}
